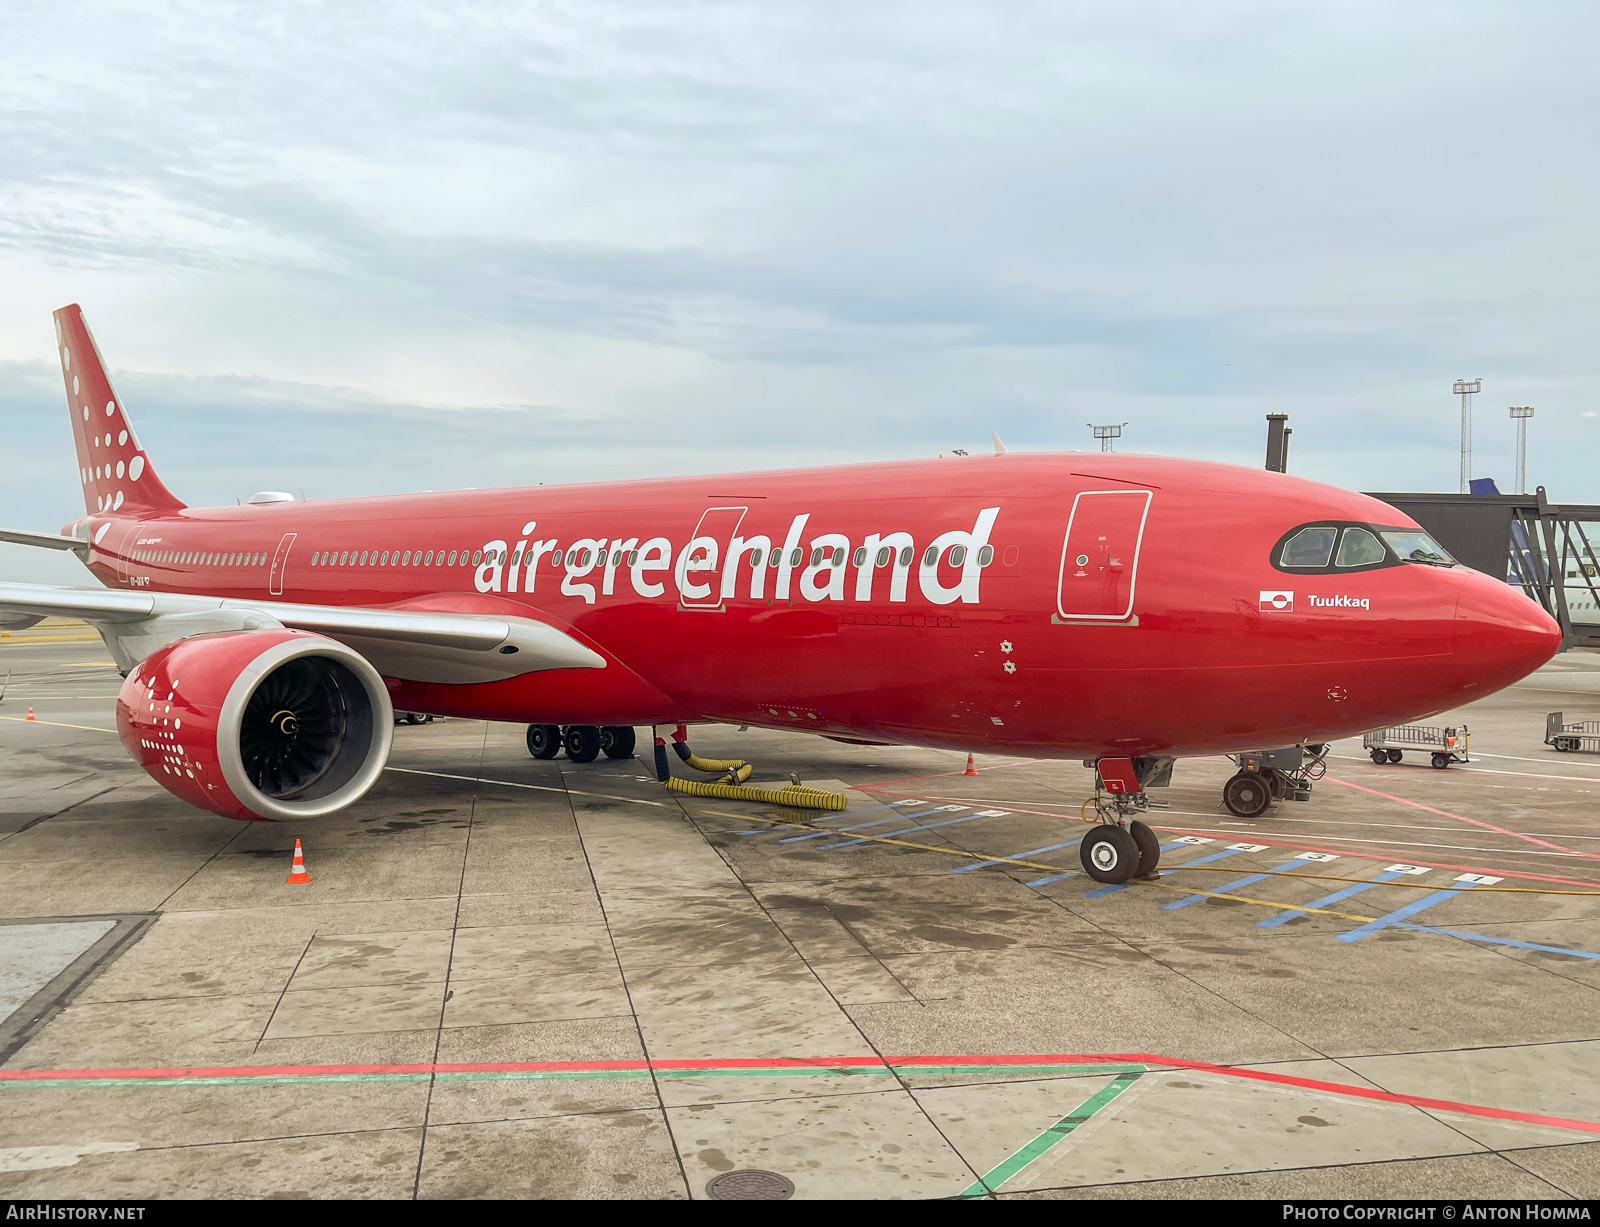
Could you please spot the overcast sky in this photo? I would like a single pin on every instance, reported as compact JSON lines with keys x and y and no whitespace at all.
{"x":360,"y":249}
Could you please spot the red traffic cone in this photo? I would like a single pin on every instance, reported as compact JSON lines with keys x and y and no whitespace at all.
{"x":30,"y":711}
{"x":972,"y":767}
{"x":299,"y":875}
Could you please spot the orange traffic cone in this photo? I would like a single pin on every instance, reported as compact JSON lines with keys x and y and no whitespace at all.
{"x":30,"y":711}
{"x":972,"y":767}
{"x":299,"y":875}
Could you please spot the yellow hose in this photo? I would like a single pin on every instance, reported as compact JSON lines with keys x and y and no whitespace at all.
{"x":714,"y":765}
{"x":799,"y":798}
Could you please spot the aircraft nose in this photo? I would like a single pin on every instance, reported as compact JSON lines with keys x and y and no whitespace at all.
{"x":1501,"y":635}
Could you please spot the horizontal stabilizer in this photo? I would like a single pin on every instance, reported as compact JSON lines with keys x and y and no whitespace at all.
{"x":47,"y":541}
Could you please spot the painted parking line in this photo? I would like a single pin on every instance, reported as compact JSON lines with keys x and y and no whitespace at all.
{"x":1388,"y":875}
{"x":1249,"y":880}
{"x":1230,"y":850}
{"x":927,"y":826}
{"x":855,"y":813}
{"x":1106,"y":890}
{"x":1071,"y":843}
{"x":876,"y":822}
{"x":1499,"y":941}
{"x":1466,"y":882}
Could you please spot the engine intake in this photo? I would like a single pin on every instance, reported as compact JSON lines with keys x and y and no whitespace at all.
{"x":268,"y":724}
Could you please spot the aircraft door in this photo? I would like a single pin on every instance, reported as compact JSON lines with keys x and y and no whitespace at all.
{"x":700,"y":567}
{"x":280,"y":564}
{"x":1100,"y":557}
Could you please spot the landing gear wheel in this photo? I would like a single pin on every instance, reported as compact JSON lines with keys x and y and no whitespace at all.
{"x":582,"y":742}
{"x":1380,"y":757}
{"x":1109,"y":854}
{"x":1247,"y":794}
{"x":544,"y":740}
{"x":1149,"y":849}
{"x":1395,"y":756}
{"x":617,"y":740}
{"x":1441,"y":761}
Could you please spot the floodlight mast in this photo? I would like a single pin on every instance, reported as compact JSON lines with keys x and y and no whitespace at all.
{"x":1466,"y":389}
{"x":1520,"y":414}
{"x":1105,"y":434}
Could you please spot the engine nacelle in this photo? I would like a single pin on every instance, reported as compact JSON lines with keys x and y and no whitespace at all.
{"x":268,"y":724}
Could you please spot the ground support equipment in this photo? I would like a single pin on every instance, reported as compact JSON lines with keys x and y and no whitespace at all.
{"x":1265,"y":776}
{"x":1445,"y":745}
{"x":732,"y":786}
{"x":1578,"y":735}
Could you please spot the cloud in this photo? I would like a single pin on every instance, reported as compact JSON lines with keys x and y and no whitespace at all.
{"x":385,"y":247}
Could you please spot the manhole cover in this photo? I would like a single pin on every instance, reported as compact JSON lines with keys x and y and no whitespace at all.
{"x":750,"y":1184}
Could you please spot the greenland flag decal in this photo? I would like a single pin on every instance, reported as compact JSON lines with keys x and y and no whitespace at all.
{"x":1277,"y":602}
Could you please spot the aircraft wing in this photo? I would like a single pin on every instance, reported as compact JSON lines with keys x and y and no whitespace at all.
{"x":409,"y":644}
{"x":49,"y":541}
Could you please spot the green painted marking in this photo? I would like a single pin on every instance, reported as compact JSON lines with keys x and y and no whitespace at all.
{"x":991,"y":1180}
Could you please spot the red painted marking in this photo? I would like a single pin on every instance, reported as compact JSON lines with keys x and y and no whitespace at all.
{"x":869,"y":1062}
{"x":1444,"y":813}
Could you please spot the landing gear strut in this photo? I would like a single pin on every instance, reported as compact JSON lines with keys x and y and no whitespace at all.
{"x":1121,"y":846}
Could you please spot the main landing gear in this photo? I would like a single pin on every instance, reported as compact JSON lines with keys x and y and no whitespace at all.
{"x":583,"y":742}
{"x":1121,"y":846}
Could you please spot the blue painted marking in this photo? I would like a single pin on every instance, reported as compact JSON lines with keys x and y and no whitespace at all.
{"x":948,"y":822}
{"x":860,"y":826}
{"x":1106,"y":890}
{"x":1399,"y":914}
{"x":1272,"y":922}
{"x":1234,"y":885}
{"x":1499,"y":941}
{"x":1071,"y":843}
{"x":1056,"y":878}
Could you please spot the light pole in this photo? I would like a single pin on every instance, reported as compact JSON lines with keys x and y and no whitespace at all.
{"x":1466,"y":389}
{"x":1520,"y":414}
{"x":1105,"y":434}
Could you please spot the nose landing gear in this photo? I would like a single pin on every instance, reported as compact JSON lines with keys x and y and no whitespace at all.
{"x":1121,"y":847}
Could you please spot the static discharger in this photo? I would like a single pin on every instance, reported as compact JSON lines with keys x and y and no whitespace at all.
{"x":298,"y":873}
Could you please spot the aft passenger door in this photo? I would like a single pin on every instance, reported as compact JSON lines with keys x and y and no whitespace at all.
{"x":1100,"y":556}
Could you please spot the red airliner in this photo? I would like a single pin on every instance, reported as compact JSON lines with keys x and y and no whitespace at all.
{"x":1116,"y":608}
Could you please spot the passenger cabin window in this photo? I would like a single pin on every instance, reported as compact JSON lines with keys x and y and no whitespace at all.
{"x":1359,"y":548}
{"x":1310,"y":547}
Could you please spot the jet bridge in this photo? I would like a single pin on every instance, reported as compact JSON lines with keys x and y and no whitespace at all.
{"x":1546,"y":549}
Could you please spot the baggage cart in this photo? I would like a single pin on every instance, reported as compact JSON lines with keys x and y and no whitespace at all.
{"x":1577,"y":735}
{"x":1444,"y":745}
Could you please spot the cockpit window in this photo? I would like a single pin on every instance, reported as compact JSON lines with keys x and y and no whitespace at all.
{"x":1359,"y":548}
{"x":1414,"y":545}
{"x":1310,"y":547}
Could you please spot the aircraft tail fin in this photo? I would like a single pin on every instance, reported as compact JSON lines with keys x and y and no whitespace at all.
{"x":113,"y":469}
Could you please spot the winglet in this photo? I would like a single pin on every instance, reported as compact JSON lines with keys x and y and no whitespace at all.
{"x":999,"y":447}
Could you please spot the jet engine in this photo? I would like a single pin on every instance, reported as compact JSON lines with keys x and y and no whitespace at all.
{"x":263,"y":724}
